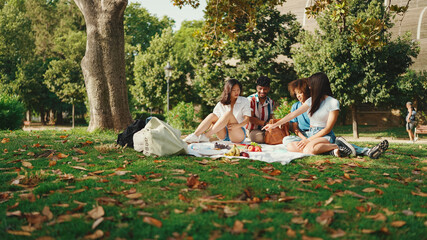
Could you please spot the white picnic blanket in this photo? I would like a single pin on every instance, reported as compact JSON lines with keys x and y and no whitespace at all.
{"x":270,"y":153}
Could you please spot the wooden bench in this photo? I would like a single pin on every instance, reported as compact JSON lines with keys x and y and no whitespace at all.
{"x":421,"y":129}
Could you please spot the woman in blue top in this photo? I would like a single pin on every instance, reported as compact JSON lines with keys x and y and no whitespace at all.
{"x":323,"y":112}
{"x":301,"y":124}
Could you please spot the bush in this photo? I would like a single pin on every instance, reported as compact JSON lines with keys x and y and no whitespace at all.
{"x":283,"y":107}
{"x":182,"y":116}
{"x":11,"y":112}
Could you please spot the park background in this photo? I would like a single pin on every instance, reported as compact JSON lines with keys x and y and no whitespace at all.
{"x":41,"y":54}
{"x":79,"y":184}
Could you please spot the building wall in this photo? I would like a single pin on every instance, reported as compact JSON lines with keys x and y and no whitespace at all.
{"x":414,"y":21}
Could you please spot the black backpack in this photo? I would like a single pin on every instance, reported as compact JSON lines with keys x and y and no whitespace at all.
{"x":126,"y":137}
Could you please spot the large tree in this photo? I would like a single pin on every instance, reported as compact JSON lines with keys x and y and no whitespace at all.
{"x":104,"y":64}
{"x":354,"y":48}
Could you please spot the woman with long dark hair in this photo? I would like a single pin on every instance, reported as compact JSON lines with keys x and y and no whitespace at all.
{"x":229,"y":117}
{"x":323,"y":112}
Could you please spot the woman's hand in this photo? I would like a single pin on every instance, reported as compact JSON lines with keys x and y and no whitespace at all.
{"x":301,"y":144}
{"x":268,"y":127}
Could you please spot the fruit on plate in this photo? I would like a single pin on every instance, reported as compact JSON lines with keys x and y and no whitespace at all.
{"x":254,"y":147}
{"x":244,"y":154}
{"x":234,"y":151}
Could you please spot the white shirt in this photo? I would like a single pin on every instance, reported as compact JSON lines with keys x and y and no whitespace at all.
{"x":241,"y":109}
{"x":320,"y":117}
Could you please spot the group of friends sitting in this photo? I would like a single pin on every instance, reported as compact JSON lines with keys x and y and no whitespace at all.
{"x":312,"y":118}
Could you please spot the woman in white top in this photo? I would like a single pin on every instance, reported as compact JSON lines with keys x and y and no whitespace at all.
{"x":228,"y":119}
{"x":323,"y":112}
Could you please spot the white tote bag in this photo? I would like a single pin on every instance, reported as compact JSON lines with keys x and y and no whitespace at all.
{"x":160,"y":139}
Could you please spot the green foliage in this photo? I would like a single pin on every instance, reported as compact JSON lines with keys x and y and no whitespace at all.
{"x":372,"y":71}
{"x":150,"y":89}
{"x":182,"y":116}
{"x":284,"y":106}
{"x":11,"y":112}
{"x":411,"y":86}
{"x":64,"y":76}
{"x":249,"y":55}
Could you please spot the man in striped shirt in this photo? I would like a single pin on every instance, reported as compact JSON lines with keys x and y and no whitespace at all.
{"x":262,"y":109}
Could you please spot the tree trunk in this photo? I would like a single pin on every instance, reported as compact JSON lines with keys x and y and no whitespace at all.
{"x":73,"y":116}
{"x":354,"y":117}
{"x":103,"y":65}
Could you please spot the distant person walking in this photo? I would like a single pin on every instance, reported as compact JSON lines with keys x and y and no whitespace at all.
{"x":410,"y":122}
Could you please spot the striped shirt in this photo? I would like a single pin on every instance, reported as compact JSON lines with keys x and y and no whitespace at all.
{"x":261,"y":111}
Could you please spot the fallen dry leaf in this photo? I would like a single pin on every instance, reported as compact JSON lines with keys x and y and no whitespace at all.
{"x":97,"y":234}
{"x":398,"y":224}
{"x":96,"y":213}
{"x":275,"y":172}
{"x":46,"y":211}
{"x":299,"y":220}
{"x":19,"y":233}
{"x":153,"y":221}
{"x":97,"y":222}
{"x":346,"y":175}
{"x":286,"y":199}
{"x":79,"y":151}
{"x":63,"y":136}
{"x":27,"y":165}
{"x":134,"y":195}
{"x":291,"y":233}
{"x":28,"y":228}
{"x":61,"y":155}
{"x":367,"y":190}
{"x":52,"y":163}
{"x":238,"y":227}
{"x":421,"y":194}
{"x":17,"y":213}
{"x":5,"y":140}
{"x":377,"y":217}
{"x":79,"y":168}
{"x":325,"y":218}
{"x":310,"y":238}
{"x":337,"y":233}
{"x":327,"y":202}
{"x":368,"y":231}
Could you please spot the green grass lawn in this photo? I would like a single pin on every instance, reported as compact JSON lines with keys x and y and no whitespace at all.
{"x":78,"y":185}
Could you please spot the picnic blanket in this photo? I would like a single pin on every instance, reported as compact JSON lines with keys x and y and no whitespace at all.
{"x":270,"y":153}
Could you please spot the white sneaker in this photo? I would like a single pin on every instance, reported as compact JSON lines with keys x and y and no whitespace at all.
{"x":416,"y":139}
{"x":410,"y":141}
{"x":203,"y":138}
{"x":192,"y":138}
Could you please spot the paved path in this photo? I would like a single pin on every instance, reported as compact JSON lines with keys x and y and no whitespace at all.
{"x":389,"y":139}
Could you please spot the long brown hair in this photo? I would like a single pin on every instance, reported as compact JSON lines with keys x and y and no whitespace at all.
{"x":301,"y":85}
{"x":319,"y":86}
{"x":226,"y":93}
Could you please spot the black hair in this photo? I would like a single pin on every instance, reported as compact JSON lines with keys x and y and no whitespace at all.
{"x":263,"y":81}
{"x":319,"y":86}
{"x":226,"y":93}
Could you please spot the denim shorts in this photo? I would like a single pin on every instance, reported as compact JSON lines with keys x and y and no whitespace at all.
{"x":313,"y":130}
{"x":410,"y":125}
{"x":227,"y":137}
{"x":288,"y":139}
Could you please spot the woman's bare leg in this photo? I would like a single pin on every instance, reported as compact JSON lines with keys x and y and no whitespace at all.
{"x":292,"y":147}
{"x":318,"y":146}
{"x":236,"y":135}
{"x":411,"y":135}
{"x":206,"y":124}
